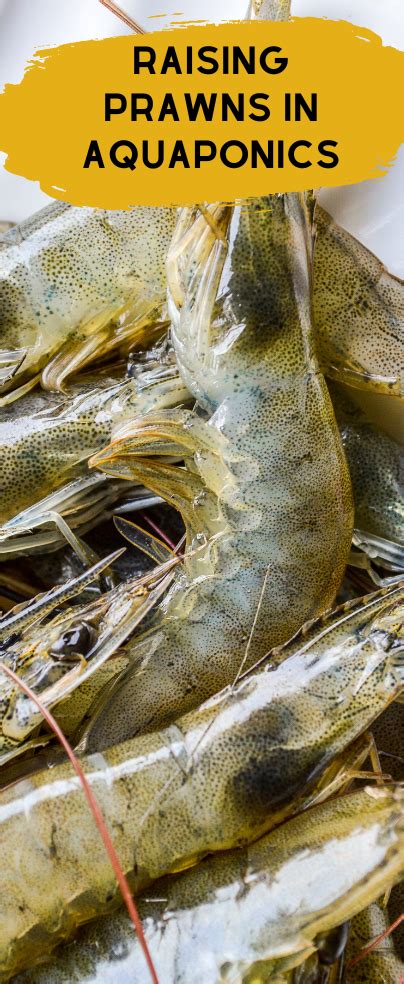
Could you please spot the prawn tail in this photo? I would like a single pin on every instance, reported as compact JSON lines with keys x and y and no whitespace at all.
{"x":133,"y":325}
{"x":148,"y":449}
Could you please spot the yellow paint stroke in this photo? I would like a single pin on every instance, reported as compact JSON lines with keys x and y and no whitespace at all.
{"x":48,"y":120}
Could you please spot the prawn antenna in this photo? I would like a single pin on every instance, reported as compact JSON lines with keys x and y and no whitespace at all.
{"x":375,"y":943}
{"x":123,"y":16}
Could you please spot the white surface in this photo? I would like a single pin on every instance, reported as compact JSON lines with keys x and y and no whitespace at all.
{"x":373,"y":211}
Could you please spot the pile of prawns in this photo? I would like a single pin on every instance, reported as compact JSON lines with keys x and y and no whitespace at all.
{"x":226,"y":687}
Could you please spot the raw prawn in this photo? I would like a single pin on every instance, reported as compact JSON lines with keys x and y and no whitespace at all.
{"x":58,"y":654}
{"x":76,"y":283}
{"x":44,"y":454}
{"x":217,"y":778}
{"x":283,"y":894}
{"x":266,"y":486}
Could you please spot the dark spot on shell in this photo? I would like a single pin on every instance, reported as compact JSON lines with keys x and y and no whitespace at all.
{"x":269,"y":781}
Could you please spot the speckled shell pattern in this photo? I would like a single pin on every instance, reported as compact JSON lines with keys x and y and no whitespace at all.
{"x":275,"y":893}
{"x":278,"y":515}
{"x":39,"y":452}
{"x":67,"y":268}
{"x":220,"y":777}
{"x":382,"y":965}
{"x":358,"y":311}
{"x":376,"y":466}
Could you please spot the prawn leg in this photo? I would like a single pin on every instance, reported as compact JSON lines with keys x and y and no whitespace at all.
{"x":23,"y":615}
{"x":84,"y":553}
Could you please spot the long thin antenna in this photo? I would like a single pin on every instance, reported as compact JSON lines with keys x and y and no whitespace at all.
{"x":123,"y":16}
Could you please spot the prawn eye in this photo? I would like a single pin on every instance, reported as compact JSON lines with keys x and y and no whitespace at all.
{"x":332,"y":944}
{"x":79,"y":639}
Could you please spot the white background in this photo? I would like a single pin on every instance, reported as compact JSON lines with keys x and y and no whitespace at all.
{"x":374,"y":210}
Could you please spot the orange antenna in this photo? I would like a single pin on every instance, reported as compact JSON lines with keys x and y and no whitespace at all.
{"x":96,"y":811}
{"x":372,"y":946}
{"x":123,"y":16}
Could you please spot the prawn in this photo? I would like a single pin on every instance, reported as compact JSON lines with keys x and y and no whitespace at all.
{"x":45,"y":446}
{"x":218,"y":778}
{"x":358,"y":310}
{"x":266,"y":486}
{"x":75,"y":284}
{"x":56,"y":654}
{"x":283,"y":893}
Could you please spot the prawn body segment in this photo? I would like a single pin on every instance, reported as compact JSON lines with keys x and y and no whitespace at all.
{"x":358,"y":312}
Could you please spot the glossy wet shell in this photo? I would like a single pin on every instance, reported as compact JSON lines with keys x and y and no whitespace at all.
{"x":68,"y":268}
{"x":273,"y":495}
{"x":274,"y":892}
{"x":376,"y":465}
{"x":358,"y":311}
{"x":218,"y":778}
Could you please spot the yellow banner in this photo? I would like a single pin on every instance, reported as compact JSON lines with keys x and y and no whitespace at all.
{"x":206,"y":113}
